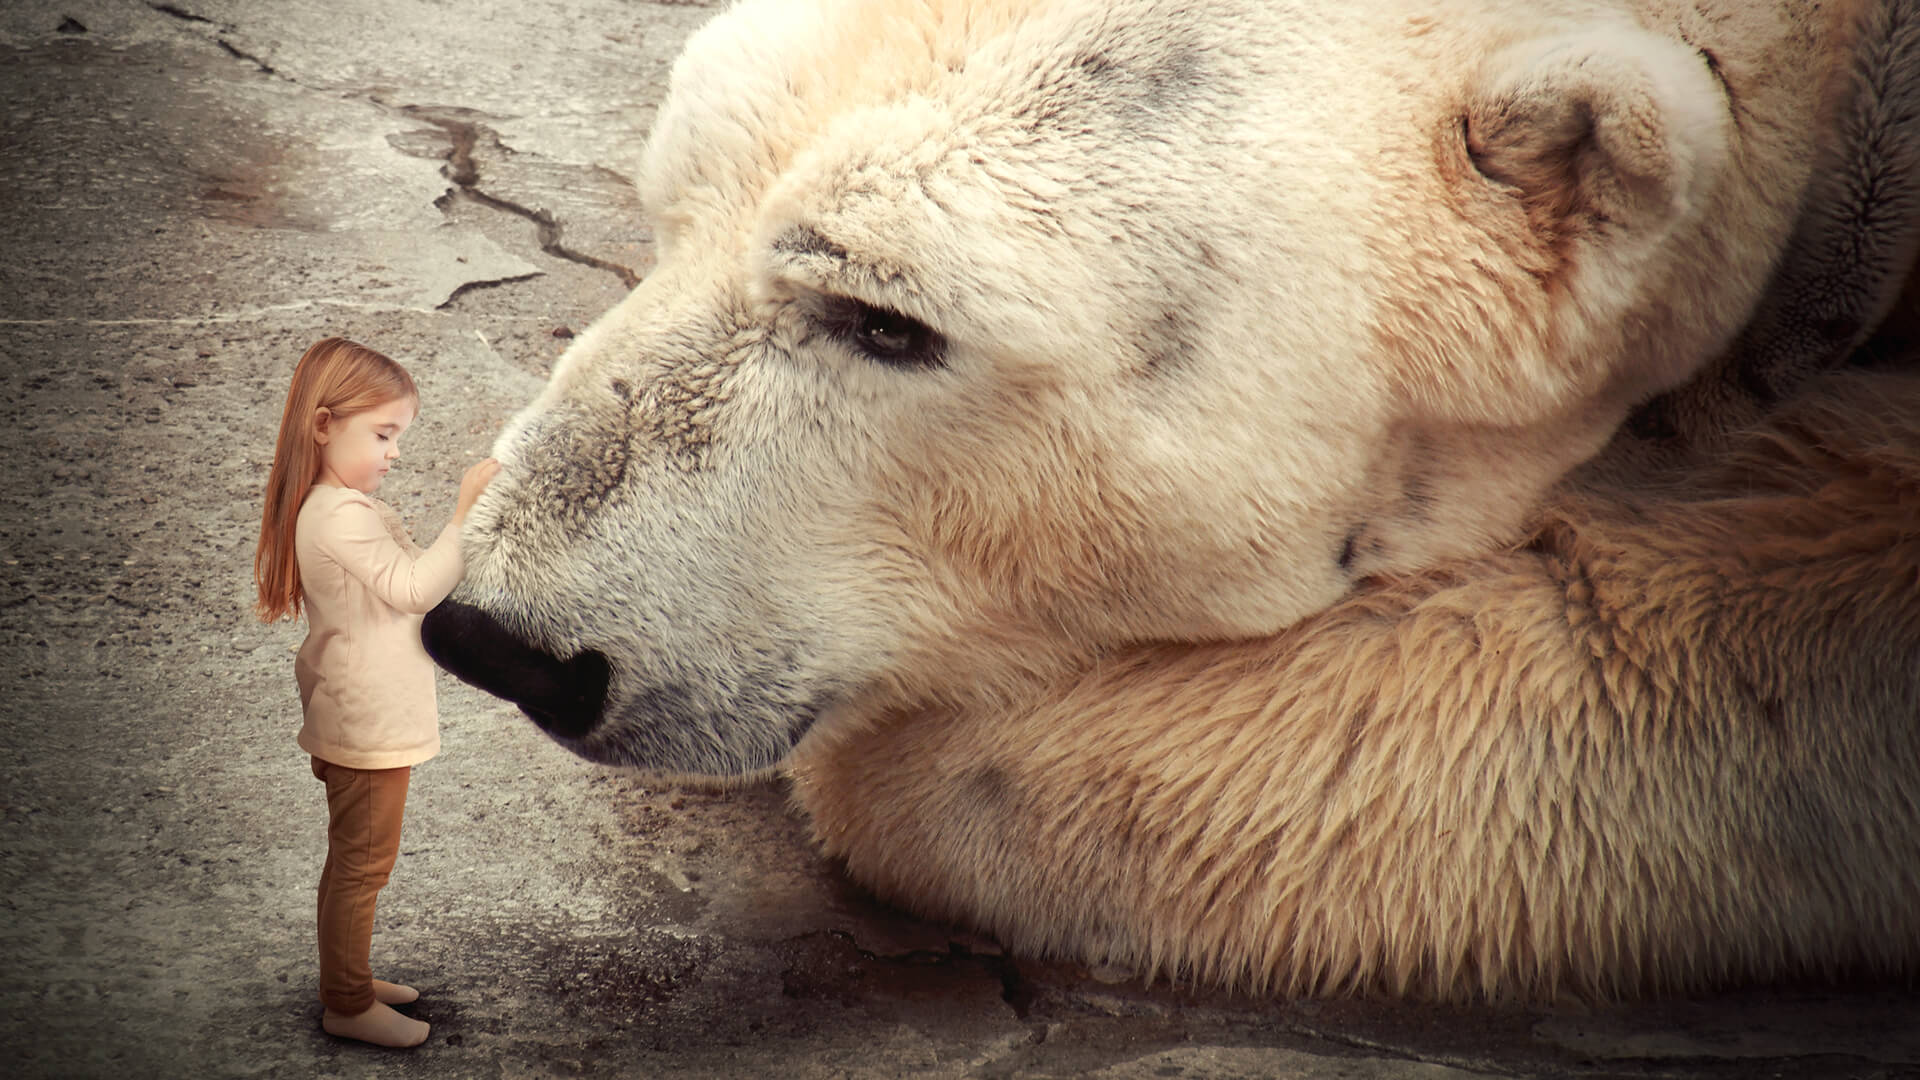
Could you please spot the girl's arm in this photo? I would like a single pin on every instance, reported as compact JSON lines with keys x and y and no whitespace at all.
{"x":357,"y":538}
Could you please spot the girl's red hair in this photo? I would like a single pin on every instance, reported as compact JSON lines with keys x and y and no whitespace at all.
{"x":344,"y":378}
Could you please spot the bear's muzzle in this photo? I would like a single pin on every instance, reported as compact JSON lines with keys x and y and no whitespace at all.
{"x":564,"y":696}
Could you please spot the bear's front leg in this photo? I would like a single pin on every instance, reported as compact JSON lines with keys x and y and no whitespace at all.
{"x":1669,"y":745}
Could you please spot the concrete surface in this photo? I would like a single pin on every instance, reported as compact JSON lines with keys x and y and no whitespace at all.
{"x":195,"y":190}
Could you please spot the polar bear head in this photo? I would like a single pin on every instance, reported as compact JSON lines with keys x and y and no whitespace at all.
{"x":986,"y":336}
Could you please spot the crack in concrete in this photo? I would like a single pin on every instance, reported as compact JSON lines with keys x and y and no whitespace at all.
{"x":219,"y":317}
{"x":219,"y":28}
{"x":169,"y":9}
{"x":238,"y":54}
{"x":487,"y":284}
{"x":238,"y":316}
{"x":464,"y":172}
{"x":460,"y":168}
{"x":1385,"y":1050}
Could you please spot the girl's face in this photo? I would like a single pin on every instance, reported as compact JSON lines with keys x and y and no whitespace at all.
{"x":357,"y":451}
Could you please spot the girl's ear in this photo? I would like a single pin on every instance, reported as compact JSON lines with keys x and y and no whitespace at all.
{"x":322,"y":421}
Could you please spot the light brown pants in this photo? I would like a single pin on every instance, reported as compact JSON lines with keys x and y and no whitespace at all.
{"x":363,"y":839}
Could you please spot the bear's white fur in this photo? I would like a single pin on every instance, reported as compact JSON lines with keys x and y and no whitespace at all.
{"x":1671,"y":744}
{"x":993,"y":345}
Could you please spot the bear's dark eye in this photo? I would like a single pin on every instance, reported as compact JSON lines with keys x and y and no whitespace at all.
{"x":887,"y":336}
{"x":886,"y":333}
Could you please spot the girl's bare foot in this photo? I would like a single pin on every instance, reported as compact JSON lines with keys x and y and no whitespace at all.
{"x":387,"y":993}
{"x":379,"y":1025}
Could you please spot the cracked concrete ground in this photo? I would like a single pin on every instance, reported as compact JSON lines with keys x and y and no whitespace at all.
{"x":193,"y":192}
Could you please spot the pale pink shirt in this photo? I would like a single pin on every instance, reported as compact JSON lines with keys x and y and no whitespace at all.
{"x":366,"y":684}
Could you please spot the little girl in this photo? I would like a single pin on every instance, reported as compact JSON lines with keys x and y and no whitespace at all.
{"x":366,"y":685}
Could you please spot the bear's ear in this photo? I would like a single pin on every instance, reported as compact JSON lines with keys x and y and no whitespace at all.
{"x":1609,"y":127}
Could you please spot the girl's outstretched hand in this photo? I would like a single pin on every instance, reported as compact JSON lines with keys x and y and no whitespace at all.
{"x":472,"y":484}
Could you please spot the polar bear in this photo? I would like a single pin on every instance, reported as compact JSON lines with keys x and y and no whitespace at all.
{"x":1033,"y":401}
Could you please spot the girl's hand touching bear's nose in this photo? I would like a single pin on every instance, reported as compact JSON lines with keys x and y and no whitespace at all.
{"x":472,"y":484}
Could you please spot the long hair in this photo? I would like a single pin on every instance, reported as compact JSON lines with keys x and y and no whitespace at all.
{"x":344,"y":378}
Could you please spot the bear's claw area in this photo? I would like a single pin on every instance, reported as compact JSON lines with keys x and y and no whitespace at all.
{"x":194,"y":192}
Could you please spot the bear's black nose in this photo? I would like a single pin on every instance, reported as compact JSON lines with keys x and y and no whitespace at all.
{"x":563,"y":696}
